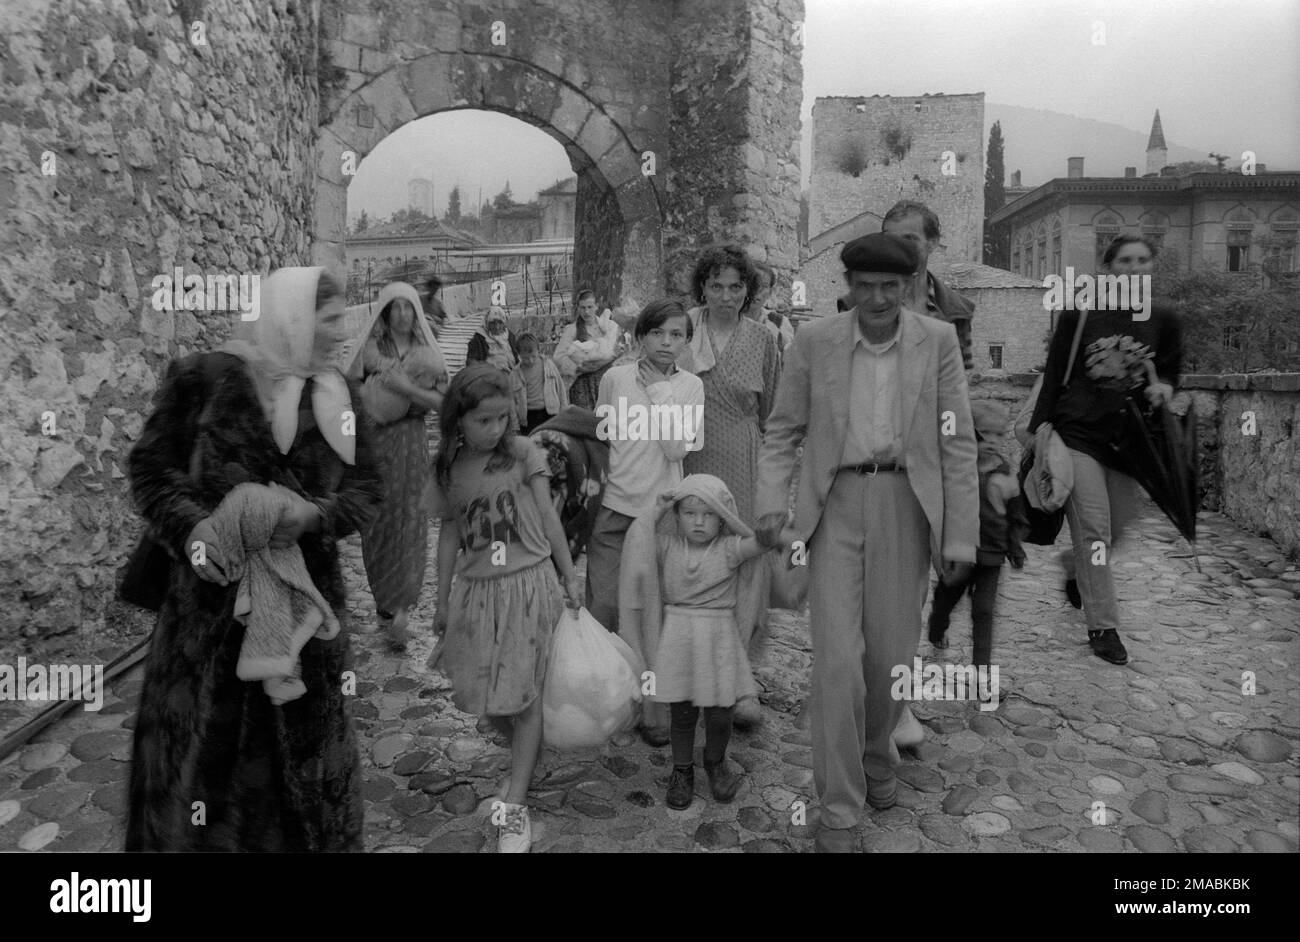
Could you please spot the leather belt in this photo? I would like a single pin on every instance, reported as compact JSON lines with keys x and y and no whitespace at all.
{"x":874,"y":467}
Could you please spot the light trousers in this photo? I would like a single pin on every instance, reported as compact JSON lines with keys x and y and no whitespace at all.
{"x":1100,"y":508}
{"x":869,"y":571}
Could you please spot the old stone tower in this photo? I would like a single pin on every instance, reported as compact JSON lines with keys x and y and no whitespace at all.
{"x":218,"y":137}
{"x":869,"y":153}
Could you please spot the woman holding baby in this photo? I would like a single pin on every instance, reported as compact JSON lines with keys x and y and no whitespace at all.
{"x":405,"y":376}
{"x":585,"y":350}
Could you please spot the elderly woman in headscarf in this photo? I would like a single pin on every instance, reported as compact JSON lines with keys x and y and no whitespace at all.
{"x":494,"y":342}
{"x":406,"y":377}
{"x":270,"y":409}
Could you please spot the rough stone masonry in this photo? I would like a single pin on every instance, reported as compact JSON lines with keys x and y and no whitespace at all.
{"x":139,"y":137}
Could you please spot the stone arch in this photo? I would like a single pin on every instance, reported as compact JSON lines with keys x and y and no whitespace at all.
{"x":1287,"y":217}
{"x":1108,"y":219}
{"x":618,"y":246}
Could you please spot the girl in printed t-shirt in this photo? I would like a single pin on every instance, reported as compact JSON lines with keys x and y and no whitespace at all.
{"x":500,"y":532}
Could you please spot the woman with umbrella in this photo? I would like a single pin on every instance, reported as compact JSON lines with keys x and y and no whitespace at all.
{"x":1124,"y":365}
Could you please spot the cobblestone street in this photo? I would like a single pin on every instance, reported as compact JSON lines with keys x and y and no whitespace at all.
{"x":1181,"y":759}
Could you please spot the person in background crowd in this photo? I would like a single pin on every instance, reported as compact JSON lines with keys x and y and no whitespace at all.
{"x":585,"y":350}
{"x":739,"y":362}
{"x":926,"y":294}
{"x":437,"y":314}
{"x":882,"y":496}
{"x":501,"y":536}
{"x":1090,"y":415}
{"x":270,"y":409}
{"x":394,"y":545}
{"x":494,"y":343}
{"x":765,"y":308}
{"x":539,"y":389}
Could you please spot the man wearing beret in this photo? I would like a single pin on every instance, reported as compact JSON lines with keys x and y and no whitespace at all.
{"x":888,"y":485}
{"x":916,"y":222}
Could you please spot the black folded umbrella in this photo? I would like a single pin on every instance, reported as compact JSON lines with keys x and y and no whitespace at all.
{"x":1162,"y":459}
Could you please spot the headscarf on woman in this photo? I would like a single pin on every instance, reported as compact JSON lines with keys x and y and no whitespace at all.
{"x":393,"y":291}
{"x":499,"y":353}
{"x":277,"y":348}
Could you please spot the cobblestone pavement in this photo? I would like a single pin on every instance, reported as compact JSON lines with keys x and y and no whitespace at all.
{"x":1180,"y":758}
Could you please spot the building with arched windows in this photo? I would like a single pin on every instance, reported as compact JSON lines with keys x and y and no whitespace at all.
{"x":1230,"y":222}
{"x":1245,"y":220}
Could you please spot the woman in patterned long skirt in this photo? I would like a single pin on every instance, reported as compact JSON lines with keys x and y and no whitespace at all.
{"x":399,"y":348}
{"x":216,"y":766}
{"x":739,"y":362}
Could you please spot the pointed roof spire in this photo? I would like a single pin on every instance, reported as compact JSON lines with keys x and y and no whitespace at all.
{"x":1157,"y":139}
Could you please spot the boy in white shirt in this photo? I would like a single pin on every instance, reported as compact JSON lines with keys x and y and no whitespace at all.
{"x":651,"y":414}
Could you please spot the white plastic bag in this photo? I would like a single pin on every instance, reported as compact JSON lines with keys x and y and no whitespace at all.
{"x":593,"y":684}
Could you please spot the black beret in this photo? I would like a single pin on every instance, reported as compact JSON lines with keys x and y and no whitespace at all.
{"x":881,"y":252}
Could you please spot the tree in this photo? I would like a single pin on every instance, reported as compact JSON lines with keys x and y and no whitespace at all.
{"x":504,"y":198}
{"x":1182,"y":168}
{"x":452,"y":216}
{"x":1232,"y":322}
{"x":363,"y":222}
{"x":997,"y":242}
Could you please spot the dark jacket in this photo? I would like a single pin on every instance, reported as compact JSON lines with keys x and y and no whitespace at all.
{"x":945,"y":304}
{"x":1091,"y":417}
{"x":476,"y":351}
{"x":1000,"y":534}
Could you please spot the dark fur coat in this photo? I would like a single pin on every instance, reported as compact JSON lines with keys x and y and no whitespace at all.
{"x":268,"y":778}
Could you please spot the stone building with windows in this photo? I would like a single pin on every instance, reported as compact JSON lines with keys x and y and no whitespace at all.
{"x":559,"y":203}
{"x":1220,"y":221}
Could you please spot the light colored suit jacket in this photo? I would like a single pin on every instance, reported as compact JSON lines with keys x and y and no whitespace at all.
{"x":812,"y":409}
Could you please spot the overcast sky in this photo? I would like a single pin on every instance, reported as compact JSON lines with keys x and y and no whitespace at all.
{"x":1225,"y":74}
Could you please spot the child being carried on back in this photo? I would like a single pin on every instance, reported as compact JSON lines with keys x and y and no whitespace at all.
{"x":678,"y":592}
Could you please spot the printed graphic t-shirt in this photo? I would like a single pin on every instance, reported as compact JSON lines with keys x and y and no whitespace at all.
{"x":500,"y":523}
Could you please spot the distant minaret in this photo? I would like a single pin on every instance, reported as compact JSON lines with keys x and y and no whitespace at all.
{"x":1157,"y":152}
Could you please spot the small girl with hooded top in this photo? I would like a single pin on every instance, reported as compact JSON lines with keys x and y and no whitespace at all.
{"x":500,"y":533}
{"x":699,"y":660}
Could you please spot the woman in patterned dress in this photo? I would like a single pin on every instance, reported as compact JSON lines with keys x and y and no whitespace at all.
{"x":738,"y":360}
{"x":394,"y":546}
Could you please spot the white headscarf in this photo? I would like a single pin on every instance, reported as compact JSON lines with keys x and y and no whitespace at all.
{"x":392,"y":291}
{"x":499,"y":353}
{"x":277,"y":347}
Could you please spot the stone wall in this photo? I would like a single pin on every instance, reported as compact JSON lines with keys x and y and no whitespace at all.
{"x":1014,"y":318}
{"x":1253,"y":470}
{"x":734,"y":168}
{"x":1254,"y":479}
{"x":158,"y":154}
{"x":869,"y":153}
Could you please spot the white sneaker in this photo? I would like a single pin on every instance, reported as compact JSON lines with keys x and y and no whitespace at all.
{"x":515,"y":836}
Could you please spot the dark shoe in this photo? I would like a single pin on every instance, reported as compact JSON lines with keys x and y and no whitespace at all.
{"x":1072,"y":593}
{"x":833,"y":840}
{"x":882,"y":793}
{"x":937,"y":639}
{"x":722,"y":783}
{"x":1107,"y":646}
{"x":681,"y":787}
